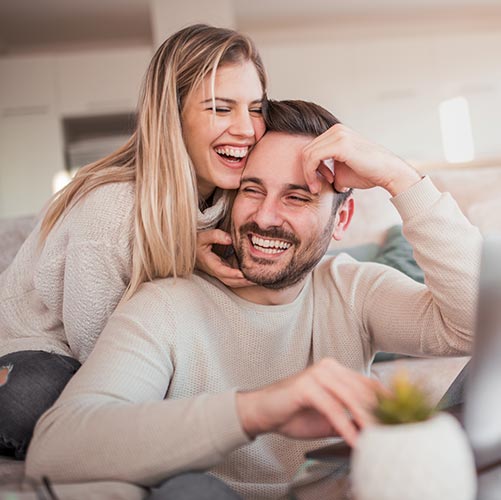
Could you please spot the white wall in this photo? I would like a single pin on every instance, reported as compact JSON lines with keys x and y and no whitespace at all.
{"x":389,"y":86}
{"x":36,"y":93}
{"x":382,"y":77}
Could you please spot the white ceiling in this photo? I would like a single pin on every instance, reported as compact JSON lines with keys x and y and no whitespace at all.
{"x":255,"y":9}
{"x":27,"y":25}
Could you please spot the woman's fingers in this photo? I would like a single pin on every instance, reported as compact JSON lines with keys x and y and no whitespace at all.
{"x":213,"y":237}
{"x":212,"y":264}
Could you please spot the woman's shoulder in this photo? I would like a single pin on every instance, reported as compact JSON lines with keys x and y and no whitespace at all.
{"x":114,"y":195}
{"x":105,"y":213}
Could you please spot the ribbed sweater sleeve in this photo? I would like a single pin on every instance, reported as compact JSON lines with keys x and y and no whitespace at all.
{"x":58,"y":296}
{"x":112,"y":421}
{"x":437,"y":318}
{"x":96,"y":275}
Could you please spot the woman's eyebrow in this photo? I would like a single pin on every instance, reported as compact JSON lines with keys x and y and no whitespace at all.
{"x":229,"y":101}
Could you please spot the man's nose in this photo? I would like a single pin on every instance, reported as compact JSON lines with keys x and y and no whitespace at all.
{"x":268,"y":214}
{"x":242,"y":125}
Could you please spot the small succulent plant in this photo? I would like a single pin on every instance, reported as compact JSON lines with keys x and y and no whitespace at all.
{"x":406,"y":403}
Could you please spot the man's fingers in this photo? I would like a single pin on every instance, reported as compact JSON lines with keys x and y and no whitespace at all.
{"x":334,"y":412}
{"x":326,"y":173}
{"x":354,"y":391}
{"x":322,"y":148}
{"x":357,"y":401}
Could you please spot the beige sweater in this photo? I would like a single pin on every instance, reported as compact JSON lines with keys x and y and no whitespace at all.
{"x":59,"y":297}
{"x":157,"y":395}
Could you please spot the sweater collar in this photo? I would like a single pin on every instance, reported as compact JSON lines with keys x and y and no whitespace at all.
{"x":210,"y":216}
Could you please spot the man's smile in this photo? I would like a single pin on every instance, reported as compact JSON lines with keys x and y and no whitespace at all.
{"x":268,"y":245}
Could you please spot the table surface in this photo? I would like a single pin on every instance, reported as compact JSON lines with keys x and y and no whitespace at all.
{"x":322,"y":479}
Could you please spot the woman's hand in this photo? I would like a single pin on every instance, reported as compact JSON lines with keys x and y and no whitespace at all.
{"x":358,"y":163}
{"x":210,"y":263}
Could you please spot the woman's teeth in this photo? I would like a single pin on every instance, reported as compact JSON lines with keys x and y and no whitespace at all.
{"x":232,"y":152}
{"x":269,"y":246}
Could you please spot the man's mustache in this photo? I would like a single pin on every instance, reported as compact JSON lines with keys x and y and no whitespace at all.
{"x":271,"y":233}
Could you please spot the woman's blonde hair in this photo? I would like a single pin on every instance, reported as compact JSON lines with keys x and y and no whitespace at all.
{"x":155,"y":156}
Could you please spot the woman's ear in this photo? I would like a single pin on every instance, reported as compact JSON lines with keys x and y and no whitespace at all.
{"x":343,"y":218}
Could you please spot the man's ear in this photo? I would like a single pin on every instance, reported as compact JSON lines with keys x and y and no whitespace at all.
{"x":343,"y":218}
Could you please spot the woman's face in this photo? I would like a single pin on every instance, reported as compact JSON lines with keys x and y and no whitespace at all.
{"x":219,"y":140}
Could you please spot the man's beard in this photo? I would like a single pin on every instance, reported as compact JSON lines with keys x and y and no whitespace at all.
{"x":301,"y":263}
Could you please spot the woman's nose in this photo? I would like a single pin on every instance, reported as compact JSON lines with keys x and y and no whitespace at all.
{"x":243,"y":125}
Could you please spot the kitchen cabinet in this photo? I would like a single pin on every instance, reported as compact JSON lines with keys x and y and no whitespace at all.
{"x":31,"y":152}
{"x":100,"y":82}
{"x":27,"y":85}
{"x":37,"y":93}
{"x":30,"y":139}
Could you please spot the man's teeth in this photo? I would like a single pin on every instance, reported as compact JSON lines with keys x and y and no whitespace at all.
{"x":235,"y":152}
{"x":270,"y":246}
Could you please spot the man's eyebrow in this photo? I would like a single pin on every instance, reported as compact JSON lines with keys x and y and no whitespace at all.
{"x":288,"y":187}
{"x":300,"y":187}
{"x":229,"y":101}
{"x":255,"y":180}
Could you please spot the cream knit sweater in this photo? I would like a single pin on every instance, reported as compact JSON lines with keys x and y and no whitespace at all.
{"x":59,"y":297}
{"x":157,"y":395}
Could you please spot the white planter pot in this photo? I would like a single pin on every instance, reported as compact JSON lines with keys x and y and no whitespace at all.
{"x":429,"y":460}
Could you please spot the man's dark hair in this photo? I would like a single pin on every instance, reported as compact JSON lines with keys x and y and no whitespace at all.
{"x":297,"y":117}
{"x":301,"y":118}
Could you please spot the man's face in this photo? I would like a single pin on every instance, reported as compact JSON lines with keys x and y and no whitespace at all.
{"x":280,"y":230}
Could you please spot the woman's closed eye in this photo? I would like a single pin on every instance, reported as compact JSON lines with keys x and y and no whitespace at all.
{"x":219,"y":109}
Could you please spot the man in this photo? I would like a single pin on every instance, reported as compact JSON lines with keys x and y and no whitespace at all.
{"x":250,"y":376}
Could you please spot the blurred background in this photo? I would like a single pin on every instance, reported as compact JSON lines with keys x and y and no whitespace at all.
{"x":421,"y":77}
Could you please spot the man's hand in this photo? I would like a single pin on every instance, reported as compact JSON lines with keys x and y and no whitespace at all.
{"x":326,"y":399}
{"x":358,"y":163}
{"x":210,"y":263}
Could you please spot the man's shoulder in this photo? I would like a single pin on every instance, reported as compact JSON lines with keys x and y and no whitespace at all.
{"x":182,"y":292}
{"x":330,"y":262}
{"x":342,"y":269}
{"x":162,"y":305}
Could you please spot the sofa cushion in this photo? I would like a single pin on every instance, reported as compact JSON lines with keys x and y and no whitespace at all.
{"x":486,"y":215}
{"x":469,"y":186}
{"x":12,"y":234}
{"x":397,"y":252}
{"x":374,"y":215}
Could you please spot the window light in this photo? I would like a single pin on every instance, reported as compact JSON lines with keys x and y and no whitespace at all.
{"x":457,"y":137}
{"x":60,"y":180}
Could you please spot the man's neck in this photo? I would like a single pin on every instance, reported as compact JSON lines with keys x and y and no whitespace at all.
{"x":268,"y":297}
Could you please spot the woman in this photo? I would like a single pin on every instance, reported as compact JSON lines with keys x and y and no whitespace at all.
{"x":128,"y":218}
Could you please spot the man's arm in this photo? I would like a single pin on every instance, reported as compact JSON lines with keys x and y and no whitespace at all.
{"x":400,"y":315}
{"x":358,"y":163}
{"x":437,"y":318}
{"x":112,"y":422}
